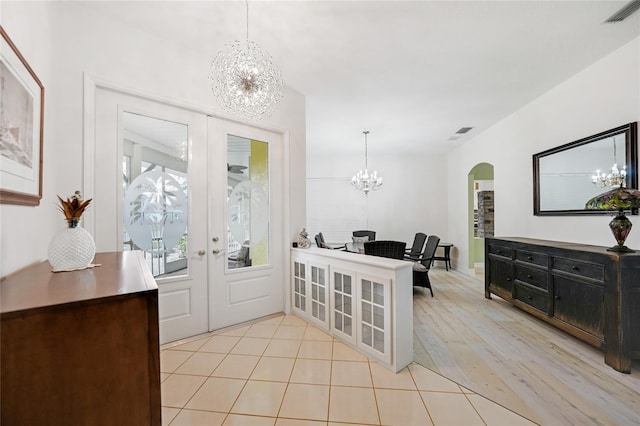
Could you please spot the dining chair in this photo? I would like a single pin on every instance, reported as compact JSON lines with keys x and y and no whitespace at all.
{"x":422,"y":264}
{"x":322,"y":244}
{"x":363,"y":233}
{"x":382,"y":248}
{"x":417,"y":246}
{"x":240,"y":258}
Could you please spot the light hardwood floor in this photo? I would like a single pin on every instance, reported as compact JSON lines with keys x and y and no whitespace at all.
{"x":516,"y":360}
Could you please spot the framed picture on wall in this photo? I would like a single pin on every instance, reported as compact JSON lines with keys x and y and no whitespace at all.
{"x":21,"y":128}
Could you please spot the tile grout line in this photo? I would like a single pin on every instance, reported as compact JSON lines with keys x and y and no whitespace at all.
{"x":250,"y":374}
{"x":473,"y":406}
{"x":291,"y":374}
{"x":420,"y":395}
{"x":330,"y":382}
{"x":373,"y":388}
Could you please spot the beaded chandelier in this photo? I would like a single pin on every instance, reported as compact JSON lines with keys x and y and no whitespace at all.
{"x":244,"y":80}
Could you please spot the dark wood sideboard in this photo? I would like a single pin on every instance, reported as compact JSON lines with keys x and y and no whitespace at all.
{"x":587,"y":291}
{"x":82,"y":347}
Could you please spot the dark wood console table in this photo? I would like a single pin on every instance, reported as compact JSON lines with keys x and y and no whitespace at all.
{"x":587,"y":291}
{"x":446,"y":258}
{"x":82,"y":347}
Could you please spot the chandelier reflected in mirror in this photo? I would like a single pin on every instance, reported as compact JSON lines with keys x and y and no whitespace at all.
{"x":363,"y":180}
{"x":244,"y":80}
{"x":617,"y":177}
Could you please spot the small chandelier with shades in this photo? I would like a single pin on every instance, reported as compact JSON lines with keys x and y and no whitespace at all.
{"x":363,"y":180}
{"x":617,"y":177}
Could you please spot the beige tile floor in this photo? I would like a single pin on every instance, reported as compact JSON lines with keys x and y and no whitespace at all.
{"x":282,"y":371}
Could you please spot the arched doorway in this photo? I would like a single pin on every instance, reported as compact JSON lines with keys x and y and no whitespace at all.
{"x":480,"y":208}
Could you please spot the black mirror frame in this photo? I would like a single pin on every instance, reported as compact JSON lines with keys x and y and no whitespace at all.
{"x":631,"y":161}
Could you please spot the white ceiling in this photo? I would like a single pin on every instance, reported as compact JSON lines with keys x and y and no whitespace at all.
{"x":412,"y":72}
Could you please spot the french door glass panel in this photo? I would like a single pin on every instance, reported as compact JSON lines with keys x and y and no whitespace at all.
{"x":155,"y":183}
{"x":248,"y":202}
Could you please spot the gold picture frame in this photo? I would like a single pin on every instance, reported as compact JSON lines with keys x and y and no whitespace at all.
{"x":21,"y":128}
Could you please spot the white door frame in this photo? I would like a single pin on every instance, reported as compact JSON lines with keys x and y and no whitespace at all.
{"x":92,"y":83}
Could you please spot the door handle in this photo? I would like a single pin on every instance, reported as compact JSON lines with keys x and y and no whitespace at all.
{"x":202,"y":252}
{"x":215,"y":251}
{"x":215,"y":239}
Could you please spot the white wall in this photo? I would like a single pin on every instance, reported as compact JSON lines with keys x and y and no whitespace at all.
{"x":61,"y":41}
{"x":413,"y":197}
{"x":603,"y":96}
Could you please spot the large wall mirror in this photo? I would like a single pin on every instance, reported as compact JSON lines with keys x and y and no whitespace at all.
{"x":563,"y":177}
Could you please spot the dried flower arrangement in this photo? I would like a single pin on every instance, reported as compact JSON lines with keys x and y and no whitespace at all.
{"x":73,"y":208}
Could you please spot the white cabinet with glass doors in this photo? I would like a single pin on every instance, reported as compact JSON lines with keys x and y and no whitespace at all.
{"x":371,"y":301}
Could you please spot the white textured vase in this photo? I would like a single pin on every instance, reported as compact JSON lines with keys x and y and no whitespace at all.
{"x":71,"y":248}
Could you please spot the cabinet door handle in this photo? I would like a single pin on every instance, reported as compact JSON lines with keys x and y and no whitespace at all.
{"x":529,"y":258}
{"x":529,"y":297}
{"x":508,"y":279}
{"x":529,"y":276}
{"x":575,"y":268}
{"x":557,"y":297}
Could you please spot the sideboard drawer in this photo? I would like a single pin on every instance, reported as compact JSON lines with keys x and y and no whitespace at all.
{"x":532,"y":257}
{"x":501,"y":250}
{"x":534,"y":276}
{"x":576,"y":267}
{"x":532,"y":297}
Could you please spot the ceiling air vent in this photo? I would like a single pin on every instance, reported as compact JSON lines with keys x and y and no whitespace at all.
{"x":626,"y":11}
{"x":464,"y":130}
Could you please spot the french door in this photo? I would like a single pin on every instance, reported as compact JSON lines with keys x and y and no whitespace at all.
{"x":247,"y":247}
{"x":150,"y":195}
{"x":202,"y":197}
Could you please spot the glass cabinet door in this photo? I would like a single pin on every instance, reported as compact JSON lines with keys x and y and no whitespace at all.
{"x":375,"y":317}
{"x":319,"y":300}
{"x":343,"y":311}
{"x":300,"y":287}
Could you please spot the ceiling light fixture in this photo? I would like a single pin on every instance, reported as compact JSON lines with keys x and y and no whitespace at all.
{"x":363,"y":180}
{"x":244,"y":80}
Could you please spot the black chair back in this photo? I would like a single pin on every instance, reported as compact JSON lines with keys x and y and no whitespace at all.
{"x":391,"y":249}
{"x":417,"y":246}
{"x":429,"y":250}
{"x":363,"y":233}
